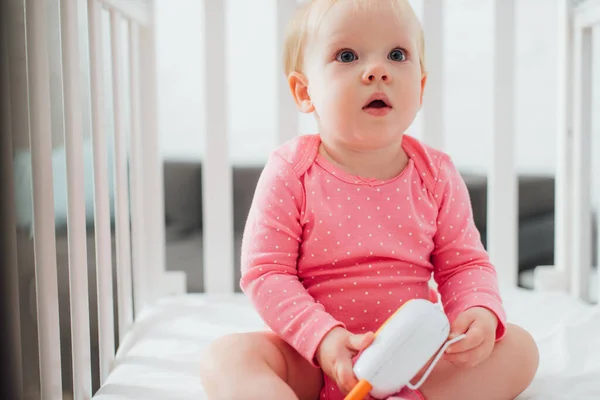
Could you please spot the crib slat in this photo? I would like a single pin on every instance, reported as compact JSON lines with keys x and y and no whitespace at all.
{"x":8,"y":223}
{"x":136,"y":175}
{"x":123,"y":236}
{"x":559,"y":276}
{"x":43,"y":201}
{"x":502,"y":183}
{"x":581,"y":240}
{"x":287,"y":114}
{"x":101,"y":194}
{"x":216,"y":170}
{"x":78,"y":266}
{"x":433,"y":102}
{"x":562,"y":188}
{"x":154,"y":221}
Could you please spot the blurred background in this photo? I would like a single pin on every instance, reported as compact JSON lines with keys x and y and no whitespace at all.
{"x":469,"y":69}
{"x":468,"y":119}
{"x":251,"y":72}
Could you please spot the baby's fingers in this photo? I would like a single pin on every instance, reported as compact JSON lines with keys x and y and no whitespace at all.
{"x":344,"y":376}
{"x":360,"y":342}
{"x":473,"y":339}
{"x":469,"y":358}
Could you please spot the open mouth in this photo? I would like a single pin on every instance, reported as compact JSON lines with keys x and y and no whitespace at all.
{"x":378,"y":101}
{"x":377,"y":104}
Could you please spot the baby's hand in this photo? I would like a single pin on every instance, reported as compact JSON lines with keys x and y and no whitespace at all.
{"x":480,"y":325}
{"x":335,"y":354}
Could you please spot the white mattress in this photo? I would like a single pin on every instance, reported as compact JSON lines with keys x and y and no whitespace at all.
{"x":160,"y":358}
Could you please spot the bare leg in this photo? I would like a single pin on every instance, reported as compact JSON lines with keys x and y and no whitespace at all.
{"x":257,"y":365}
{"x":503,"y":376}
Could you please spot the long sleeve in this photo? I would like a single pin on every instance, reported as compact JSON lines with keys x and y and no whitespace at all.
{"x":270,"y":248}
{"x":462,"y":268}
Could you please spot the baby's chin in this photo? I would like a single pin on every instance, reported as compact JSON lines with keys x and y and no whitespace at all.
{"x":366,"y":140}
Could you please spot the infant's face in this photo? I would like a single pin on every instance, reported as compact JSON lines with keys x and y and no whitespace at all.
{"x":359,"y":55}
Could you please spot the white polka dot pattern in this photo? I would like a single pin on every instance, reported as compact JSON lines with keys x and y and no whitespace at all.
{"x":324,"y":248}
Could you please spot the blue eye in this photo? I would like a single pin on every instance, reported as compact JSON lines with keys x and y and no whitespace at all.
{"x":346,"y":56}
{"x":397,"y":55}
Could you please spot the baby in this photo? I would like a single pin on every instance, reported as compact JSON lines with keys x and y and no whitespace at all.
{"x":349,"y":224}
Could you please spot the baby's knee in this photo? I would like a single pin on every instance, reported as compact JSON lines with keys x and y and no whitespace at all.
{"x":527,"y":348}
{"x":219,"y":355}
{"x":234,"y":349}
{"x":218,"y":362}
{"x":212,"y":356}
{"x":525,"y":355}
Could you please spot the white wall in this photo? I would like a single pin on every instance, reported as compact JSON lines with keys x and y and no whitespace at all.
{"x":251,"y":46}
{"x":596,"y":129}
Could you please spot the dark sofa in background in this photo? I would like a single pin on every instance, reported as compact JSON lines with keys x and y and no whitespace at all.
{"x":183,"y":205}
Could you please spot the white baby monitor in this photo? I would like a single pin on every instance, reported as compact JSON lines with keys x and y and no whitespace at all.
{"x":402,"y":347}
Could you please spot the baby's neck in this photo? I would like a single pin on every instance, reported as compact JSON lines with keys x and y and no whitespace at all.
{"x":384,"y":163}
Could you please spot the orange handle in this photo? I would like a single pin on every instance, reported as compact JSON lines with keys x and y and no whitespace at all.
{"x":360,"y":391}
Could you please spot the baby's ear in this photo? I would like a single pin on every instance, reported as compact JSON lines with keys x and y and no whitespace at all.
{"x":299,"y":87}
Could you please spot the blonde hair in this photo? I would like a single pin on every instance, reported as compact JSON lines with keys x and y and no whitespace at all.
{"x":307,"y":20}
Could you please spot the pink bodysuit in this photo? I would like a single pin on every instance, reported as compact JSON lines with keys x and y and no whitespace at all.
{"x":324,"y":248}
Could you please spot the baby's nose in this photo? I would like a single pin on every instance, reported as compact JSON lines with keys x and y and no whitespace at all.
{"x":383,"y":77}
{"x":376,"y":73}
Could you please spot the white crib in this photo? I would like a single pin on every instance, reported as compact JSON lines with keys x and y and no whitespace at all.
{"x":150,"y":341}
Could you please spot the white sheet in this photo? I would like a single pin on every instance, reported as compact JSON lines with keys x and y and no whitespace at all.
{"x":160,"y":357}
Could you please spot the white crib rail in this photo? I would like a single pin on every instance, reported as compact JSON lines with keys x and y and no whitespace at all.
{"x":140,"y":236}
{"x":582,"y":101}
{"x":43,"y":203}
{"x":122,"y":191}
{"x":78,"y":266}
{"x":287,"y":112}
{"x":563,"y":212}
{"x":217,"y":197}
{"x":586,"y":17}
{"x":139,"y":276}
{"x":573,"y":242}
{"x":101,"y":192}
{"x":156,"y":282}
{"x":8,"y":248}
{"x":433,"y":113}
{"x":502,"y":200}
